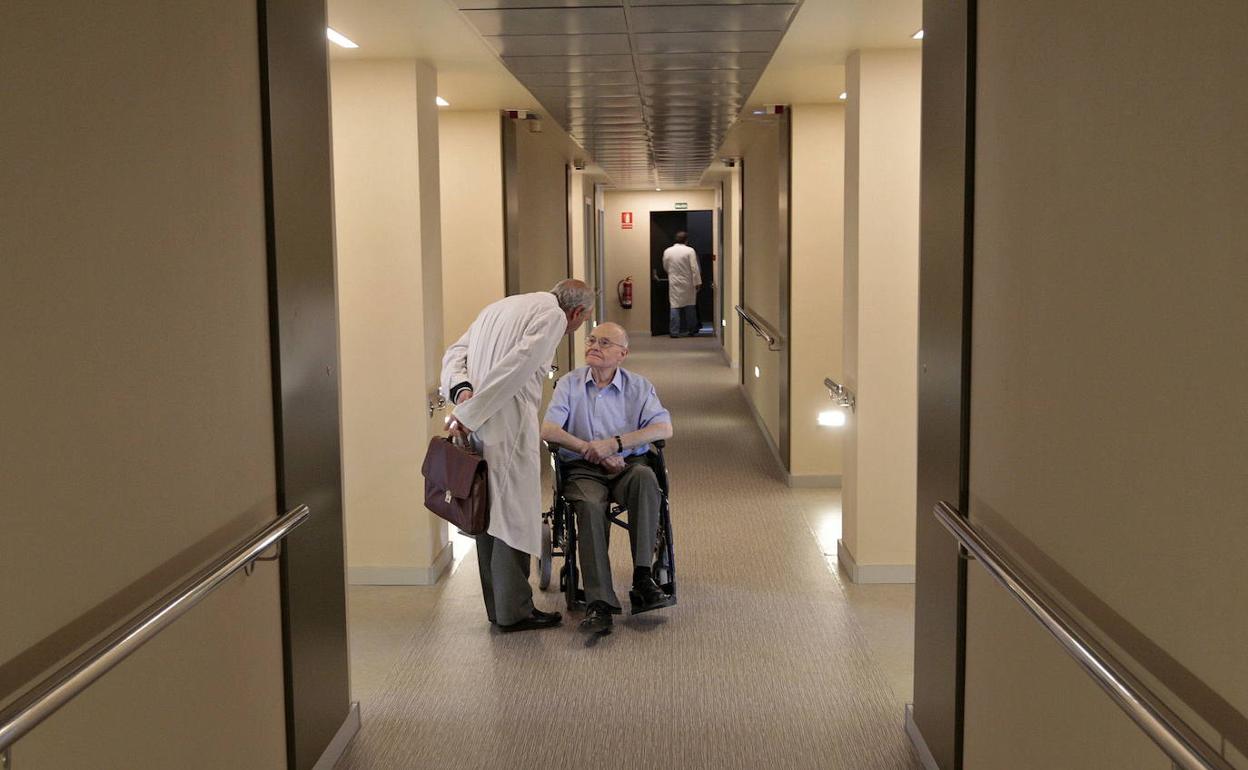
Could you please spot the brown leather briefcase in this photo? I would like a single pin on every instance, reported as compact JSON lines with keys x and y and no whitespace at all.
{"x":456,"y":485}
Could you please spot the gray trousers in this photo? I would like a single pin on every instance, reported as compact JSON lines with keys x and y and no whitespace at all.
{"x":504,"y":581}
{"x":590,"y":491}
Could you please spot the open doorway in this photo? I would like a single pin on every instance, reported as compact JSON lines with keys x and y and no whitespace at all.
{"x":664,"y":225}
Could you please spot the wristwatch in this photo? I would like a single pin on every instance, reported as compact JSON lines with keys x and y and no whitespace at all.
{"x":619,"y":444}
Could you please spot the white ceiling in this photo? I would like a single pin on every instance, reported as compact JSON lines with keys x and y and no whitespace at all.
{"x":470,"y":75}
{"x":807,"y":66}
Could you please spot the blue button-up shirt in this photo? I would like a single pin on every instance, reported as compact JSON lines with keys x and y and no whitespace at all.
{"x":629,"y":403}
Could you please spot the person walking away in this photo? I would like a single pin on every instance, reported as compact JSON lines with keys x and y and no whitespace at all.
{"x":684,"y":279}
{"x":493,"y":375}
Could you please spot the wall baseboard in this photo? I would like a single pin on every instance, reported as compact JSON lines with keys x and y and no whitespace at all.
{"x":403,"y":576}
{"x":872,"y":573}
{"x":338,"y":746}
{"x":814,"y":481}
{"x":762,"y":427}
{"x":916,"y":739}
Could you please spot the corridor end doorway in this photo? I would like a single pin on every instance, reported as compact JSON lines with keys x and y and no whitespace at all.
{"x":664,"y":225}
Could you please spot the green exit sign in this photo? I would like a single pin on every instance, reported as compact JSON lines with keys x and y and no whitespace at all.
{"x":682,"y":206}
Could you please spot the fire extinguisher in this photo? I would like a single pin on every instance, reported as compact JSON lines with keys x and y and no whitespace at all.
{"x":624,"y":290}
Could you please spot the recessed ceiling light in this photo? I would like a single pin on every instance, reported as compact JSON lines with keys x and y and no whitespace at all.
{"x":658,"y":189}
{"x":917,"y":35}
{"x":442,"y":102}
{"x":844,"y":95}
{"x":337,"y":37}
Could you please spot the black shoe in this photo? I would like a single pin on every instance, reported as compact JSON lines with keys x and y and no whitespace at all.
{"x":598,"y":619}
{"x":537,"y":620}
{"x":646,"y":595}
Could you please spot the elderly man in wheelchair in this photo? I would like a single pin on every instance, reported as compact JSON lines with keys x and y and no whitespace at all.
{"x":604,"y":419}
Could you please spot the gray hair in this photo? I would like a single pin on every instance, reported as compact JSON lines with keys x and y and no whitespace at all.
{"x":572,"y":293}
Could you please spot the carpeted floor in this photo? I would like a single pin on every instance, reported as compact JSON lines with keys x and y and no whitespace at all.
{"x":761,"y":665}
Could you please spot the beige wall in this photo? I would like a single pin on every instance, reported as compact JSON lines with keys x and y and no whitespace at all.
{"x":473,"y":267}
{"x":881,"y":312}
{"x":816,"y":335}
{"x":390,"y":315}
{"x":543,"y":220}
{"x":1108,"y":411}
{"x":542,"y":255}
{"x":136,"y":399}
{"x":628,"y":251}
{"x":732,"y":269}
{"x":584,"y":227}
{"x":760,"y":269}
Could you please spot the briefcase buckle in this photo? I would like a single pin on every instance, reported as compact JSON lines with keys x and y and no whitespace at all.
{"x":448,"y":497}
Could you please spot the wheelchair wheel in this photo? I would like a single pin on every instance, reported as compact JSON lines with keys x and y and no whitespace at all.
{"x":545,"y":562}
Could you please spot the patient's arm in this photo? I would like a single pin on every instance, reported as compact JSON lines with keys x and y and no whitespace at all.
{"x":555,"y":435}
{"x":659,"y":431}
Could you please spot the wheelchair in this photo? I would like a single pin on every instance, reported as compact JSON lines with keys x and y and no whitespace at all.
{"x":559,"y":533}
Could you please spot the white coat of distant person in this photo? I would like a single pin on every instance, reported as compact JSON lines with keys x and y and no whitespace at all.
{"x":684,"y":278}
{"x":494,"y":375}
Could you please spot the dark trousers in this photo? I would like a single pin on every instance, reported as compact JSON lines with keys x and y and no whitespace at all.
{"x":590,"y":491}
{"x":504,"y":581}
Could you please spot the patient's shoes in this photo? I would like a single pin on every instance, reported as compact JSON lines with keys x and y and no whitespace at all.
{"x":646,"y":595}
{"x":597,"y":618}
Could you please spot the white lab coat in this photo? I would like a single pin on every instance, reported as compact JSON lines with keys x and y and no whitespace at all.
{"x":683,"y":275}
{"x":506,"y":354}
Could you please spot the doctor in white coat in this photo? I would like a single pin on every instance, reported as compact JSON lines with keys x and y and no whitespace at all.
{"x":494,"y":374}
{"x":684,"y":278}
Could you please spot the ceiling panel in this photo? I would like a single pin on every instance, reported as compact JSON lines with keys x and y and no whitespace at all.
{"x":660,"y":77}
{"x":731,"y":18}
{"x":648,"y":88}
{"x":702,"y":61}
{"x":705,"y":2}
{"x":558,"y":45}
{"x":692,"y":42}
{"x":591,"y":79}
{"x":466,"y":5}
{"x":604,"y":63}
{"x":547,"y":21}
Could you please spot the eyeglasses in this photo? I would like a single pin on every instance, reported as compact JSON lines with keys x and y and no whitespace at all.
{"x":601,"y":342}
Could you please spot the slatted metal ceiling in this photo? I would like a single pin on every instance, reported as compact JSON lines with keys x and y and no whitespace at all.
{"x":647,"y":87}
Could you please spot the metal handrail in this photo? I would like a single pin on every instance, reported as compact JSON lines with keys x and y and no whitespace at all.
{"x":840,"y":394}
{"x":54,"y":691}
{"x":774,"y":341}
{"x":1178,"y":740}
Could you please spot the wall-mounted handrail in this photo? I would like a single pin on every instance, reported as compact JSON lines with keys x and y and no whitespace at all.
{"x":1174,"y":736}
{"x":774,"y":340}
{"x":44,"y":698}
{"x":840,"y":394}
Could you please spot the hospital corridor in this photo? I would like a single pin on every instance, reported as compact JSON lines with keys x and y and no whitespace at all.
{"x":595,"y":384}
{"x":762,"y":663}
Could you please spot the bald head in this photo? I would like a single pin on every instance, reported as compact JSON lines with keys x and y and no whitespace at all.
{"x":613,"y":332}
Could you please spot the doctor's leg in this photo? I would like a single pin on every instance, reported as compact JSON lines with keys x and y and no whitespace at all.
{"x":673,"y":322}
{"x":504,"y":581}
{"x":689,"y":320}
